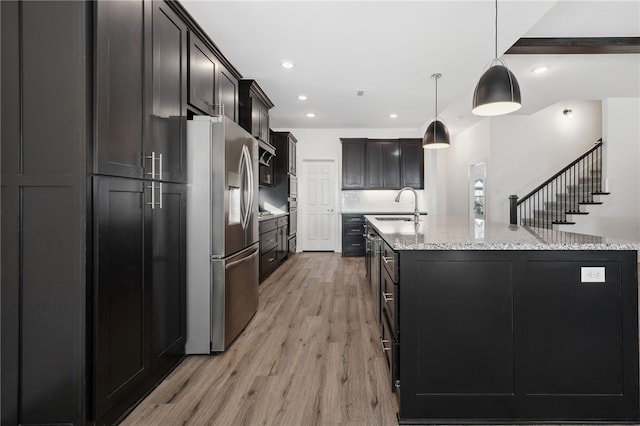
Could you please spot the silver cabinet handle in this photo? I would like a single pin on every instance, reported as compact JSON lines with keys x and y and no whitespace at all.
{"x":153,"y":159}
{"x":153,"y":203}
{"x":160,"y":189}
{"x":384,"y":348}
{"x":388,"y":297}
{"x":160,"y":175}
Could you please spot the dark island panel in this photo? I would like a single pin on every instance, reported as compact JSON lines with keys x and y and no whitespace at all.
{"x":516,"y":336}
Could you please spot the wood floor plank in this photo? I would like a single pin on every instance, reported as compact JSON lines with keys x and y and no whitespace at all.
{"x":310,"y":356}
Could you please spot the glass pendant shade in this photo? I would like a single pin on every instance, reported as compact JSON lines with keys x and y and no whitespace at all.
{"x":497,"y":92}
{"x":436,"y":136}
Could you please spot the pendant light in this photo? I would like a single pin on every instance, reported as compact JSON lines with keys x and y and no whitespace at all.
{"x":437,"y":135}
{"x":497,"y":92}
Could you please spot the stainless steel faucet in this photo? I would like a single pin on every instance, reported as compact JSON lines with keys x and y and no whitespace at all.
{"x":416,"y":213}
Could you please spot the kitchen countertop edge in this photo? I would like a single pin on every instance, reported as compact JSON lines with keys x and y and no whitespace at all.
{"x":456,"y":234}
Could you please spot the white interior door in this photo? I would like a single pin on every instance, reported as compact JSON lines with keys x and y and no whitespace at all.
{"x":319,"y":199}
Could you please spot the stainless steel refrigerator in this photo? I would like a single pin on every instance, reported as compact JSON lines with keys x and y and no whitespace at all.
{"x":222,"y":232}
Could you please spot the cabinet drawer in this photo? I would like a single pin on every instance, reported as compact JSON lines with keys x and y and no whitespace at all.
{"x":268,"y":240}
{"x":267,"y":225}
{"x":389,"y":300}
{"x":352,"y":219}
{"x":268,"y":261}
{"x":282,"y":221}
{"x":353,"y":242}
{"x":391,"y":350}
{"x":390,"y":262}
{"x":353,"y":229}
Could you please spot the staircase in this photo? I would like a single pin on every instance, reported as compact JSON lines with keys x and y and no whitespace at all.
{"x":563,"y":197}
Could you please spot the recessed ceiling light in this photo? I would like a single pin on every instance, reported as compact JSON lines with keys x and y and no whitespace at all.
{"x":393,"y":115}
{"x":287,"y":64}
{"x":302,"y":97}
{"x":310,"y":115}
{"x":540,"y":70}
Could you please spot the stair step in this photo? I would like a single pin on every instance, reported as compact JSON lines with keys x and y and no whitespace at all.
{"x":562,"y":222}
{"x":536,"y":223}
{"x":600,"y":193}
{"x":590,"y":203}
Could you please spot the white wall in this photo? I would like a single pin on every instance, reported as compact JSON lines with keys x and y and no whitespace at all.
{"x":619,"y":216}
{"x":324,"y":144}
{"x":520,"y":151}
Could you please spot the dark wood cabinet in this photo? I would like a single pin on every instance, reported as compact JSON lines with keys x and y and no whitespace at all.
{"x":203,"y":76}
{"x":502,"y":335}
{"x":168,"y":279}
{"x":274,"y":244}
{"x":292,"y":154}
{"x":121,"y":341}
{"x":141,"y":91}
{"x":167,"y":113}
{"x":228,"y":93}
{"x":353,"y":240}
{"x":353,"y":163}
{"x":119,"y":83}
{"x":254,"y":110}
{"x":139,"y":288}
{"x":45,"y":128}
{"x":411,"y":163}
{"x":382,"y":164}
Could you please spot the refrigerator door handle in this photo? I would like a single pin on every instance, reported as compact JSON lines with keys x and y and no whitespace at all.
{"x":244,"y":259}
{"x":246,"y":179}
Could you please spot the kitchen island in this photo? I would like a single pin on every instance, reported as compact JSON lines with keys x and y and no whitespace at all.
{"x":496,"y":323}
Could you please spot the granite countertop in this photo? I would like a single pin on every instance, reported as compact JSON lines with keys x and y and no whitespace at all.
{"x":455,"y":233}
{"x":271,"y":216}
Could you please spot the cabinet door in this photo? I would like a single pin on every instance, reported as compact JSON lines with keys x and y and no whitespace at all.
{"x":228,"y":93}
{"x":119,"y":76}
{"x":383,"y":165}
{"x":292,"y":157}
{"x":412,"y":163}
{"x":390,"y":169}
{"x":202,"y":76}
{"x":168,"y":282}
{"x":264,"y":124}
{"x":168,"y":109}
{"x":353,"y":165}
{"x":121,"y":233}
{"x":373,"y":165}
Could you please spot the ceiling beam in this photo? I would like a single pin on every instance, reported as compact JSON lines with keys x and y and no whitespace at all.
{"x":574,"y":45}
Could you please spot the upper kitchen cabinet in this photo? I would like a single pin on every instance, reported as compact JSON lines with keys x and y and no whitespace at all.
{"x":254,"y":110}
{"x":353,"y":163}
{"x":168,"y":112}
{"x":292,"y":154}
{"x":120,"y":93}
{"x":382,"y":165}
{"x":203,"y":80}
{"x":228,"y":93}
{"x":141,"y":91}
{"x":411,"y":163}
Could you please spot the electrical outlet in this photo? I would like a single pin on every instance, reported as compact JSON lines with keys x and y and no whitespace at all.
{"x":592,"y":274}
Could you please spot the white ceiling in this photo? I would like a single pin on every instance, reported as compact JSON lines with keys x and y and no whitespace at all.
{"x":389,"y":49}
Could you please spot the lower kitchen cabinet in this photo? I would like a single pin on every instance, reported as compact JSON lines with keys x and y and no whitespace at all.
{"x":503,"y":336}
{"x":274,"y":244}
{"x":139,"y":289}
{"x":353,"y":240}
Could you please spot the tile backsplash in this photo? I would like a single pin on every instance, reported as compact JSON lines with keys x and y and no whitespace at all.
{"x":381,"y":201}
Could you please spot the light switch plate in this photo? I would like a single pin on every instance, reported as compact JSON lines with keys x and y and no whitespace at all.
{"x":592,"y":274}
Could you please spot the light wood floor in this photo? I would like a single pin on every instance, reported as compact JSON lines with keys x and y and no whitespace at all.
{"x":310,"y":356}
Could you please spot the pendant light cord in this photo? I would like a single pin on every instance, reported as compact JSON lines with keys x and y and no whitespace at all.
{"x":436,"y":98}
{"x":496,"y":32}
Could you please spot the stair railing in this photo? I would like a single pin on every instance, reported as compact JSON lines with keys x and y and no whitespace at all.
{"x":561,"y":194}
